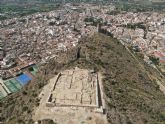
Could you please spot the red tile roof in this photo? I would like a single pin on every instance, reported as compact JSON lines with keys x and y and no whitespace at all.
{"x":158,"y":54}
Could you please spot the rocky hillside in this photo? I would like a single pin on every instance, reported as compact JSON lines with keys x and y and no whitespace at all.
{"x":133,"y":95}
{"x":130,"y":87}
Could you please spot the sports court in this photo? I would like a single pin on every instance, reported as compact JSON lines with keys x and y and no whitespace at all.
{"x":3,"y":93}
{"x":13,"y":85}
{"x":24,"y":79}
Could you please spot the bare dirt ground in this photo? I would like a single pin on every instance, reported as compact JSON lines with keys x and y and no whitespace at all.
{"x":66,"y":115}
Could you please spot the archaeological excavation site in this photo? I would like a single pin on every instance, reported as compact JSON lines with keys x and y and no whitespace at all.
{"x":72,"y":94}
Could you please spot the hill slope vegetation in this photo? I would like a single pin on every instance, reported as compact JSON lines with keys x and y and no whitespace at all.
{"x":132,"y":94}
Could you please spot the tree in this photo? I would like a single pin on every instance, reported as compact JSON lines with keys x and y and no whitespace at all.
{"x":154,"y":60}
